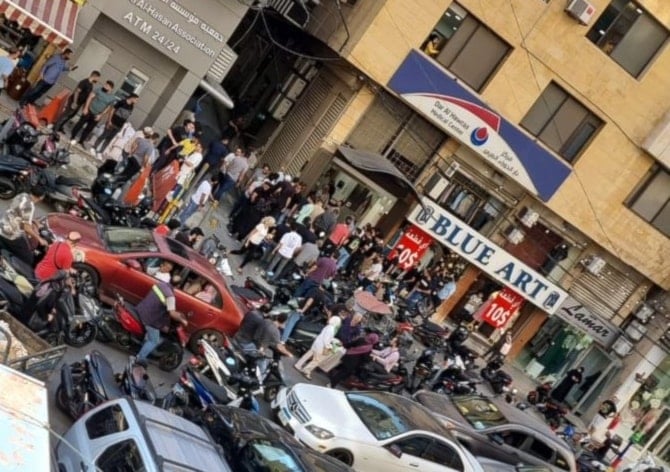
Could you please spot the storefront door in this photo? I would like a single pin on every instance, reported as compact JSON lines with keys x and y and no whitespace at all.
{"x":660,"y":443}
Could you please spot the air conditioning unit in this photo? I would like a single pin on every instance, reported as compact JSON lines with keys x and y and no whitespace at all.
{"x":436,"y":186}
{"x":295,"y":11}
{"x":279,"y":107}
{"x":635,"y":330}
{"x":528,"y":217}
{"x":644,"y":313}
{"x":622,"y":346}
{"x":293,"y":86}
{"x":594,"y":264}
{"x":451,"y":170}
{"x":514,"y":235}
{"x":581,"y":10}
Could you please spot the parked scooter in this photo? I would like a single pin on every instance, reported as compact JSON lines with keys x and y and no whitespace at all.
{"x":224,"y":363}
{"x":253,"y":295}
{"x":540,"y":394}
{"x":431,"y":334}
{"x":87,"y":383}
{"x":372,"y":376}
{"x":454,"y":378}
{"x":424,"y":369}
{"x":493,"y":373}
{"x":121,"y":325}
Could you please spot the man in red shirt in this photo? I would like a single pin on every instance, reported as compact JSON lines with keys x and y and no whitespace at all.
{"x":340,"y":233}
{"x":58,"y":257}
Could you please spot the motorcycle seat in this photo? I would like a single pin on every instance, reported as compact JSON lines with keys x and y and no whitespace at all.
{"x":219,"y":393}
{"x":434,"y":327}
{"x":105,"y":375}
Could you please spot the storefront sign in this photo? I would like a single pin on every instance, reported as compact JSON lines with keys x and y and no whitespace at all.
{"x":179,"y":29}
{"x":603,"y":332}
{"x":492,"y":259}
{"x":411,"y":247}
{"x":430,"y":89}
{"x":500,"y":309}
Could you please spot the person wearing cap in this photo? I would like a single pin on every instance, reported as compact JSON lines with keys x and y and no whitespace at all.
{"x":51,"y":71}
{"x":121,"y":111}
{"x":59,"y":257}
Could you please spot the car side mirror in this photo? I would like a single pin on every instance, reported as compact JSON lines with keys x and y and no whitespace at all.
{"x":395,"y":450}
{"x":133,"y":264}
{"x":498,"y":439}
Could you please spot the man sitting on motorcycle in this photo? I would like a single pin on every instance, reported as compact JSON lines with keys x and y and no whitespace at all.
{"x":156,"y":310}
{"x":59,"y":256}
{"x":257,"y":334}
{"x":17,"y":229}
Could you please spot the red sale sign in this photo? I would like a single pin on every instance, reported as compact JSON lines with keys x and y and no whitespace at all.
{"x":410,"y":248}
{"x":498,"y":311}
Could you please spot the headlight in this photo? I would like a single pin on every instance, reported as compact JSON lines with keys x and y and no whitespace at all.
{"x":319,"y":432}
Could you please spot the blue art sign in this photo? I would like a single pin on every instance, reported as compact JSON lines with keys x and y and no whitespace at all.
{"x":428,"y":88}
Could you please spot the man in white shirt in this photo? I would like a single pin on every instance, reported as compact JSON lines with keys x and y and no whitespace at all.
{"x":199,"y":198}
{"x":283,"y":253}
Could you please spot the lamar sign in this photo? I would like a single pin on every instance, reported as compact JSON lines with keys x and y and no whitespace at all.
{"x":492,"y":259}
{"x":603,"y":332}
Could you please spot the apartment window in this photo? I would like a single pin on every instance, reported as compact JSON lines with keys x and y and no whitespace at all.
{"x":629,"y":35}
{"x":561,"y":122}
{"x":652,"y":201}
{"x":393,"y":130}
{"x":466,"y":47}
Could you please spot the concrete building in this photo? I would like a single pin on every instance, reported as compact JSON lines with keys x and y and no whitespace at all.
{"x":539,"y":138}
{"x":161,"y":50}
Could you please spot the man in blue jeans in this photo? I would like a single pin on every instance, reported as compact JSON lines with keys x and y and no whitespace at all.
{"x":51,"y":71}
{"x":156,"y":310}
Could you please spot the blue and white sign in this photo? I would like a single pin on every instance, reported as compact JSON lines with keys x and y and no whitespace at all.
{"x":489,"y":257}
{"x":427,"y":87}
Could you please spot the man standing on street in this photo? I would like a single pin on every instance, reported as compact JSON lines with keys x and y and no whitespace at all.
{"x":121,"y":111}
{"x":77,"y":99}
{"x":155,"y":310}
{"x":232,"y":172}
{"x":7,"y":65}
{"x":51,"y":71}
{"x":96,"y":107}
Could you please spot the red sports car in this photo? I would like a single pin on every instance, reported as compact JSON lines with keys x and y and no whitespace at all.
{"x":120,"y":260}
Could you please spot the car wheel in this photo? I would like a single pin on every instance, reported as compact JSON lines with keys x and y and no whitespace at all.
{"x":212,"y":336}
{"x":7,"y":189}
{"x":88,"y":279}
{"x":342,"y":455}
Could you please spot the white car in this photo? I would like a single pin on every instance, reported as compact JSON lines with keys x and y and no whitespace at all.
{"x":371,"y":431}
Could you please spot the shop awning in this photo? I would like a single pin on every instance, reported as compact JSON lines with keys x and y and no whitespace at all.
{"x":374,"y":162}
{"x":217,"y":92}
{"x":54,"y":20}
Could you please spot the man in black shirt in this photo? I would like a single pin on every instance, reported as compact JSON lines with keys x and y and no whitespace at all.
{"x":120,"y":114}
{"x":77,"y":99}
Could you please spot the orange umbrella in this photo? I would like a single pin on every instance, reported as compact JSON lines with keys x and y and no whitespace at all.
{"x":365,"y":301}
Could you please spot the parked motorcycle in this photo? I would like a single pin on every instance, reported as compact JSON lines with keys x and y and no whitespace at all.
{"x":431,"y":334}
{"x":16,"y":176}
{"x":493,"y":373}
{"x":372,"y":376}
{"x":87,"y":383}
{"x":423,"y":370}
{"x":454,"y":378}
{"x":224,"y":363}
{"x":540,"y":394}
{"x":122,"y":325}
{"x":253,"y":295}
{"x":553,"y":412}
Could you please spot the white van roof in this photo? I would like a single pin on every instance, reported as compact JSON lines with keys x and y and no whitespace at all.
{"x":179,"y":444}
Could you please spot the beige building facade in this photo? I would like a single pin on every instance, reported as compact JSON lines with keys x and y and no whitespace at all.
{"x":544,"y":133}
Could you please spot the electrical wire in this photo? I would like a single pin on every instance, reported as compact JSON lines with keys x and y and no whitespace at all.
{"x":247,"y":31}
{"x":292,"y":51}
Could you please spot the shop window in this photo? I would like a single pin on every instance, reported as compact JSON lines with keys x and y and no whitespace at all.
{"x":391,"y":129}
{"x":652,"y":202}
{"x":629,"y":35}
{"x":134,"y":82}
{"x":469,"y":202}
{"x":466,"y":47}
{"x":561,"y":122}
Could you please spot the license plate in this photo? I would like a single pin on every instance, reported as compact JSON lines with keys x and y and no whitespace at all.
{"x":283,"y":415}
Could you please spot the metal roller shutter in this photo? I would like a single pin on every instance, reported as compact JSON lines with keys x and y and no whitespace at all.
{"x":604,"y":294}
